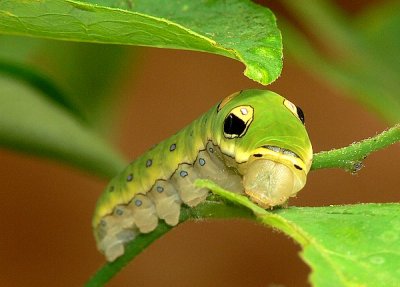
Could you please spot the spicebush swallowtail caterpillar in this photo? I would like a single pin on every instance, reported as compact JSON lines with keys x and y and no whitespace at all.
{"x":254,"y":142}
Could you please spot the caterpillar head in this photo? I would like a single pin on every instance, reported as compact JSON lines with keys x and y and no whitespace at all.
{"x":264,"y":138}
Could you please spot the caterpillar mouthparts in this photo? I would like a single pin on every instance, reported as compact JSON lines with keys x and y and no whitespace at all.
{"x":281,"y":150}
{"x":269,"y":183}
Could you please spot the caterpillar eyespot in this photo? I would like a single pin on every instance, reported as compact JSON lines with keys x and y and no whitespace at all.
{"x":238,"y":121}
{"x":295,"y":110}
{"x":249,"y":144}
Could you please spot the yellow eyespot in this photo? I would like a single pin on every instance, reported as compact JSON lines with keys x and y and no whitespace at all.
{"x":238,"y":121}
{"x":294,"y":109}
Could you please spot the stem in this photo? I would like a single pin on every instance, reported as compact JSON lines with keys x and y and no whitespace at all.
{"x":350,"y":158}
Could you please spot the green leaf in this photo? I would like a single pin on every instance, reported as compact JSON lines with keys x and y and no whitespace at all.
{"x":17,"y":49}
{"x":64,"y":71}
{"x":39,"y":81}
{"x":383,"y":33}
{"x":89,"y":74}
{"x":365,"y":89}
{"x":363,"y":64}
{"x":30,"y":122}
{"x":353,"y":245}
{"x":246,"y":32}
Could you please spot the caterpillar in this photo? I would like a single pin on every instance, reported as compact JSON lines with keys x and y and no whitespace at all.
{"x":253,"y":142}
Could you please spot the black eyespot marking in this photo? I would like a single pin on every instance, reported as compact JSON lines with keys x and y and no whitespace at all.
{"x":234,"y":126}
{"x":119,"y":211}
{"x":300,"y":114}
{"x":138,"y":202}
{"x":298,"y":167}
{"x":172,"y":147}
{"x":160,"y":189}
{"x":129,"y":177}
{"x":183,"y":173}
{"x":211,"y":149}
{"x":202,"y":161}
{"x":111,"y":189}
{"x":149,"y":162}
{"x":257,"y":155}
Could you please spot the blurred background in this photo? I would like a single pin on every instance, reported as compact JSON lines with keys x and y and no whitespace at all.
{"x":46,"y":207}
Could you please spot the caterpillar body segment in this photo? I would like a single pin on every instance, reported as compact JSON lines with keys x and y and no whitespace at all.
{"x":254,"y":142}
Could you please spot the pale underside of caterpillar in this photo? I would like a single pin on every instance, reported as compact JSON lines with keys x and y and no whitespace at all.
{"x":254,"y":142}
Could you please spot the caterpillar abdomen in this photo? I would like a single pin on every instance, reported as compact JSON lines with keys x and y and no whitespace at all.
{"x":237,"y":144}
{"x":163,"y":201}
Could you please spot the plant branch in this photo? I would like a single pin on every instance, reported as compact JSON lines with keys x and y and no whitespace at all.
{"x":350,"y":158}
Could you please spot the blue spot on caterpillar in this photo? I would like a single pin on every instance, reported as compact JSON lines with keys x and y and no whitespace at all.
{"x":183,"y":173}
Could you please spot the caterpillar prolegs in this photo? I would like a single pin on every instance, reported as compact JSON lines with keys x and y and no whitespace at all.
{"x":253,"y":142}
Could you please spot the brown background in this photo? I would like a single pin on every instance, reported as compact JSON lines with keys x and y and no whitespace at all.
{"x":46,"y":208}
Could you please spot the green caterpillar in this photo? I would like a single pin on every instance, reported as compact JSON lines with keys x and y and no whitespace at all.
{"x":254,"y":142}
